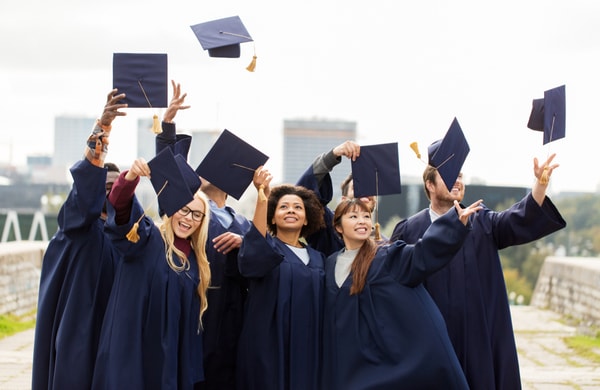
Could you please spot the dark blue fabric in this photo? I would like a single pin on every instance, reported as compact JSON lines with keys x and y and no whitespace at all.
{"x":223,"y":320}
{"x":391,"y":335}
{"x":151,"y":336}
{"x":471,"y":292}
{"x":325,"y":240}
{"x":75,"y":283}
{"x":281,"y":338}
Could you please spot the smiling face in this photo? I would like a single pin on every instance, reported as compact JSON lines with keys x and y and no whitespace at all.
{"x":440,"y":193}
{"x":188,"y":218}
{"x":354,"y":226}
{"x":289,"y":213}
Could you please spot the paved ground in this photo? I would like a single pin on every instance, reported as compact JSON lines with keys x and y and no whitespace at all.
{"x":546,"y":362}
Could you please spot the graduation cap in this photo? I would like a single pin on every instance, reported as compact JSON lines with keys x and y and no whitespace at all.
{"x":230,"y":164}
{"x":377,"y":172}
{"x":143,"y":79}
{"x":549,"y":114}
{"x":222,"y":38}
{"x":449,"y":154}
{"x":174,"y":182}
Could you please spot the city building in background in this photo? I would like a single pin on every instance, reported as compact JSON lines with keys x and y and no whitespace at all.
{"x":305,"y":139}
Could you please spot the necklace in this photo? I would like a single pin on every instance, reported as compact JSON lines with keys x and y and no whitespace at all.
{"x":296,"y":245}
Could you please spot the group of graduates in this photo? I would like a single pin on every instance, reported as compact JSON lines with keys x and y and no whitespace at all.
{"x":298,"y":297}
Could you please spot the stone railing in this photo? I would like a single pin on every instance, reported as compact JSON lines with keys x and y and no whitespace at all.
{"x":20,"y":264}
{"x":570,"y":286}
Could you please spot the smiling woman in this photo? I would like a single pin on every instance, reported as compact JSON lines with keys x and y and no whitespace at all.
{"x":281,"y":334}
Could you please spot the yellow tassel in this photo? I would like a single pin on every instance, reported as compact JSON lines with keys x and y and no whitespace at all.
{"x":544,"y":179}
{"x":415,"y":147}
{"x":377,"y":232}
{"x":156,"y":127}
{"x":133,"y":235}
{"x":250,"y":68}
{"x":261,"y":193}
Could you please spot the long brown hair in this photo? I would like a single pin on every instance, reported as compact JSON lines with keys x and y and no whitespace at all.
{"x":366,"y":253}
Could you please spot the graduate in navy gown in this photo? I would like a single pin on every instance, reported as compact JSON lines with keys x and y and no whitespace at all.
{"x":470,"y":291}
{"x":77,"y":270}
{"x":281,"y":337}
{"x":318,"y":179}
{"x":382,"y":330}
{"x":151,"y":338}
{"x":222,"y":321}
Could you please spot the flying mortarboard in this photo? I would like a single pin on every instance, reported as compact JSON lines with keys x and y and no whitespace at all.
{"x":549,"y":114}
{"x":230,"y":164}
{"x":449,"y":154}
{"x":144,"y":80}
{"x":222,"y":38}
{"x":377,"y":171}
{"x":174,"y":182}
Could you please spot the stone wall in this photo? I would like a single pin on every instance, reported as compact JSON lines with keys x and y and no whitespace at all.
{"x":570,"y":286}
{"x":20,"y":264}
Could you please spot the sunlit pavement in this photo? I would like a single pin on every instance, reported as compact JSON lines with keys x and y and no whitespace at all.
{"x":546,"y":362}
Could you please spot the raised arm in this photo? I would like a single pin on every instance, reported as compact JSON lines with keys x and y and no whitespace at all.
{"x":542,"y":174}
{"x":262,"y":180}
{"x":97,"y":143}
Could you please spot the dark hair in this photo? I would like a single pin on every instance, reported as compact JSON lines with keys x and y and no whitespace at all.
{"x":112,"y":167}
{"x":312,"y":207}
{"x":366,"y":253}
{"x":345,"y":184}
{"x":429,"y":175}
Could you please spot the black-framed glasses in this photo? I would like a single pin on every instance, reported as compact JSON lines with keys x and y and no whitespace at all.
{"x":197,"y":215}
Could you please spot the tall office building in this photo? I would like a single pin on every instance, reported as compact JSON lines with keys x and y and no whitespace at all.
{"x":145,"y":139}
{"x":69,"y":135}
{"x":303,"y":140}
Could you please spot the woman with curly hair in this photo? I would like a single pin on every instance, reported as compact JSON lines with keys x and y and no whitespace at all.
{"x":280,"y":343}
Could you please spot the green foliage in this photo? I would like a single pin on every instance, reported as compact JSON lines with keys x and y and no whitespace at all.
{"x":11,"y":324}
{"x":517,"y":286}
{"x":585,"y":346}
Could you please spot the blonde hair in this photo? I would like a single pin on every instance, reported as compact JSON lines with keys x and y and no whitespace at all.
{"x":198,"y":243}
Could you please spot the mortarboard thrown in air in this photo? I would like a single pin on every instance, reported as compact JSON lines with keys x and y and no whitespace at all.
{"x":144,"y":80}
{"x":549,"y":115}
{"x":449,"y":154}
{"x":230,"y":164}
{"x":222,"y":38}
{"x":174,"y":182}
{"x":377,"y":172}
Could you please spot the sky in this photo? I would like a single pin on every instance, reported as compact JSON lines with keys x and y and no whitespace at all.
{"x":401,"y":70}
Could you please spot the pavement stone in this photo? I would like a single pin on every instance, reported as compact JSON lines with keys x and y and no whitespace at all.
{"x":546,"y":362}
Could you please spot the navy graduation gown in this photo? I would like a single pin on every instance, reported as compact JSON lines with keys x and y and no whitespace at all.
{"x":391,"y":335}
{"x":471,"y":292}
{"x":75,"y":282}
{"x":222,"y":321}
{"x":281,"y":337}
{"x":151,"y":335}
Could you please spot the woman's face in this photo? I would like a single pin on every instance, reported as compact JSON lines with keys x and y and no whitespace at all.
{"x":188,"y":218}
{"x":355,"y":227}
{"x":290,"y":214}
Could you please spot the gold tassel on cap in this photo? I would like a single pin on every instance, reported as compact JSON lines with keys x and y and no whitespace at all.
{"x":156,"y":127}
{"x":250,"y":68}
{"x":544,"y":179}
{"x":377,"y":232}
{"x":133,"y":235}
{"x":415,"y":147}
